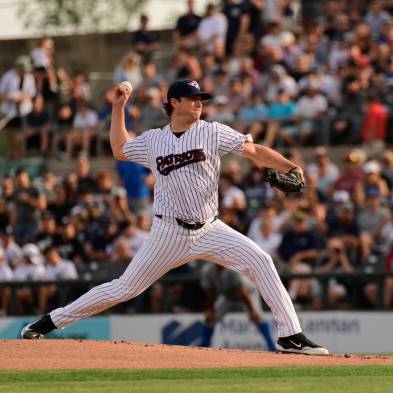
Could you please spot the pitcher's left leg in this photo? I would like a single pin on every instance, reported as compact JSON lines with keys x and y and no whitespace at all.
{"x":223,"y":245}
{"x":227,"y":247}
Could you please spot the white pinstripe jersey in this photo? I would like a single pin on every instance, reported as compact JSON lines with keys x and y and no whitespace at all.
{"x":186,"y":169}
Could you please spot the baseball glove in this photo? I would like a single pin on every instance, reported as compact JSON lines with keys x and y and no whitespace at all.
{"x":287,"y":182}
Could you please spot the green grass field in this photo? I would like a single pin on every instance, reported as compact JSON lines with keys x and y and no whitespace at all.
{"x":287,"y":379}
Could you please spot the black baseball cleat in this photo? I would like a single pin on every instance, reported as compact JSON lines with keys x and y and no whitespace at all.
{"x":299,"y":343}
{"x":29,"y":333}
{"x":37,"y":329}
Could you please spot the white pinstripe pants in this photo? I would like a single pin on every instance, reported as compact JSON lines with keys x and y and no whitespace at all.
{"x":170,"y":245}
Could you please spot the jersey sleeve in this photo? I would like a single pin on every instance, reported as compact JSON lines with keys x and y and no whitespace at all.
{"x":231,"y":141}
{"x":137,"y":150}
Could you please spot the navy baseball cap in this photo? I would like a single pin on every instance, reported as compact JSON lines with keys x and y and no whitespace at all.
{"x":186,"y":88}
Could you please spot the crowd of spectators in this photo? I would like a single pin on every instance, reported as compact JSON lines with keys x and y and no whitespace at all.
{"x":289,"y":82}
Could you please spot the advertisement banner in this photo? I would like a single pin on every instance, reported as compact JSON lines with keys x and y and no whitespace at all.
{"x":339,"y":331}
{"x":96,"y":328}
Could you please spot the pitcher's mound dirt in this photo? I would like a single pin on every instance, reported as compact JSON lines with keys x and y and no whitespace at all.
{"x":78,"y":354}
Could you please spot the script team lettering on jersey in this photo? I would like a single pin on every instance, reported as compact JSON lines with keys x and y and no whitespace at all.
{"x":171,"y":162}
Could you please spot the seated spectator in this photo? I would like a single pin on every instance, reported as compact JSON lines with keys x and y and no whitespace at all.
{"x":187,"y":65}
{"x":267,"y":237}
{"x":29,"y":268}
{"x":371,"y":220}
{"x":27,"y":204}
{"x":277,"y":80}
{"x":134,"y":237}
{"x":186,"y":26}
{"x":72,"y":189}
{"x":83,"y":130}
{"x":144,"y":40}
{"x":129,"y":70}
{"x":257,"y":192}
{"x":150,"y":75}
{"x":272,"y":38}
{"x":282,"y":116}
{"x":48,"y":235}
{"x":351,"y":174}
{"x":342,"y":225}
{"x":119,"y":208}
{"x":47,"y":183}
{"x":6,"y":274}
{"x":84,"y":179}
{"x":59,"y":206}
{"x":212,"y":30}
{"x":310,"y":107}
{"x":56,"y":268}
{"x":253,"y":113}
{"x":375,"y":123}
{"x":96,"y":231}
{"x":78,"y":88}
{"x":326,"y":171}
{"x":336,"y":261}
{"x":12,"y":251}
{"x":105,"y":187}
{"x":298,"y":249}
{"x":152,"y":115}
{"x":37,"y":122}
{"x":237,"y":96}
{"x":219,"y":111}
{"x":231,"y":196}
{"x":64,"y":119}
{"x":371,"y":179}
{"x":69,"y":245}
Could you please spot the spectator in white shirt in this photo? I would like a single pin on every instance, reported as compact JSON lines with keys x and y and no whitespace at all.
{"x":326,"y":171}
{"x":212,"y":30}
{"x":30,"y":268}
{"x":57,"y":268}
{"x":309,"y":107}
{"x":84,"y":127}
{"x":266,"y":237}
{"x":17,"y":89}
{"x":134,"y":237}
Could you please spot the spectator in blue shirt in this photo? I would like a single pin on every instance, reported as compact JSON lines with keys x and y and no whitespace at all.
{"x":281,"y":116}
{"x":133,"y":177}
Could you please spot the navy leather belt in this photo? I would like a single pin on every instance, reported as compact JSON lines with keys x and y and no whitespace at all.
{"x":193,"y":226}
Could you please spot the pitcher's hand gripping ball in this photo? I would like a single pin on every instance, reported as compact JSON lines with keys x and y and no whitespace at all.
{"x":126,"y":85}
{"x":287,"y":182}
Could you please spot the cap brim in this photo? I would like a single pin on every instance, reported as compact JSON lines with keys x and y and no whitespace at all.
{"x":203,"y":94}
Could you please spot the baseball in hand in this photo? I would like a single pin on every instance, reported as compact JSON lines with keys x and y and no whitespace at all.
{"x":127,"y":86}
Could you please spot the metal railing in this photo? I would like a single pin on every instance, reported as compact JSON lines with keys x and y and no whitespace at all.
{"x":355,"y":279}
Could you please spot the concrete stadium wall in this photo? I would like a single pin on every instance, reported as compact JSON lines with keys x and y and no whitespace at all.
{"x":87,"y":52}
